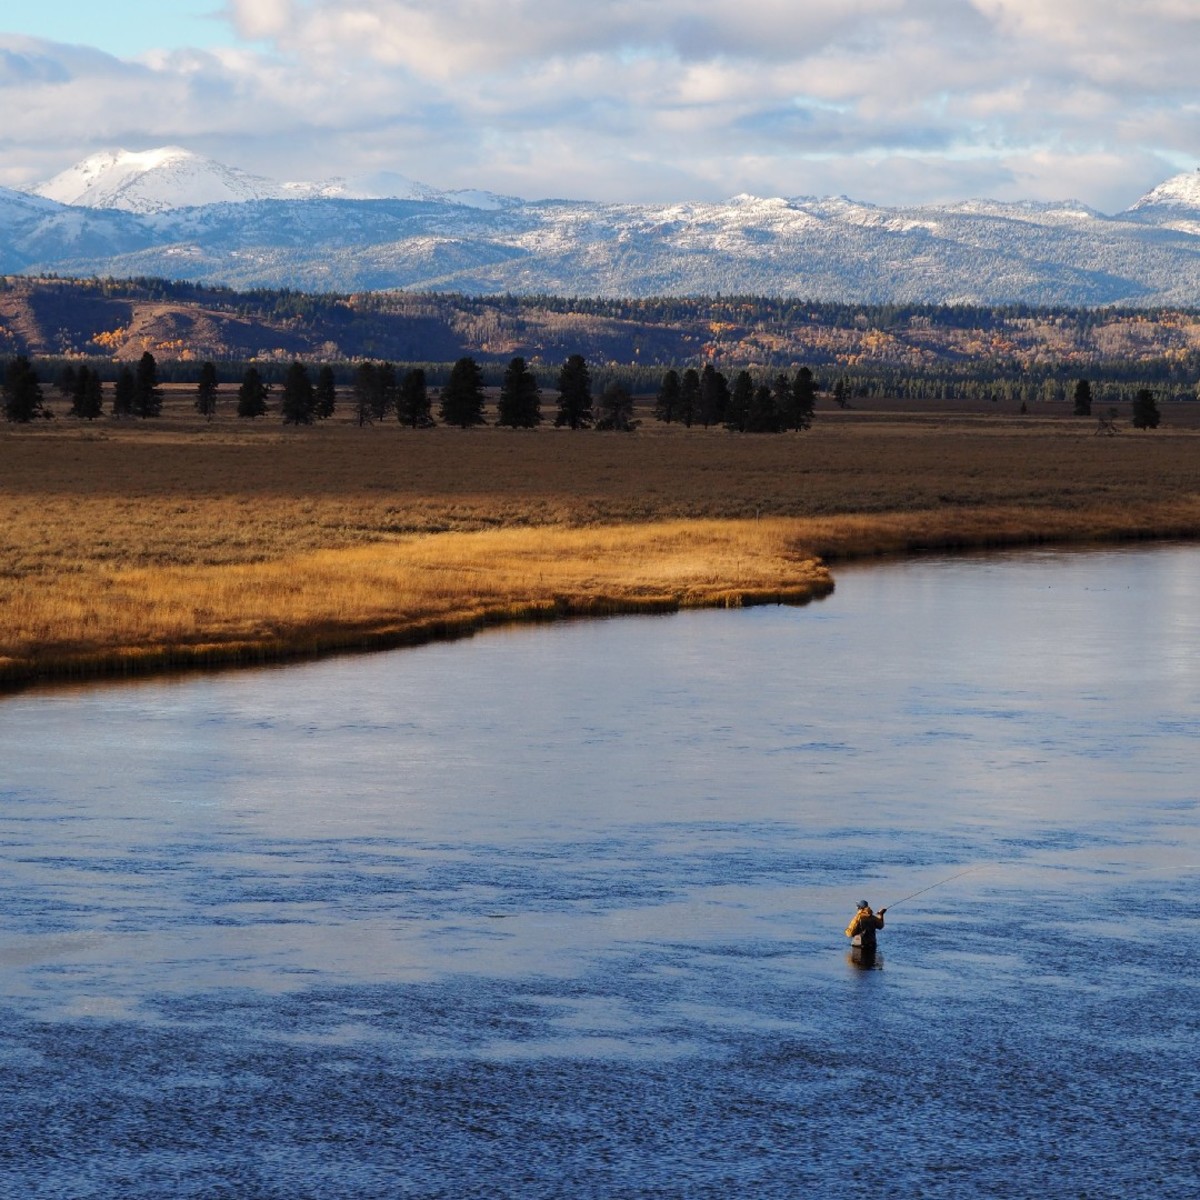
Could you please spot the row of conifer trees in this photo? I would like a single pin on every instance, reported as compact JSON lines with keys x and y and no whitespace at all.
{"x":378,"y":391}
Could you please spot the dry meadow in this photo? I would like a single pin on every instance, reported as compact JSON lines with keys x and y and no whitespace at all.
{"x":157,"y":544}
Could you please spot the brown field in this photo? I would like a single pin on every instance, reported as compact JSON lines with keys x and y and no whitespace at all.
{"x":157,"y":544}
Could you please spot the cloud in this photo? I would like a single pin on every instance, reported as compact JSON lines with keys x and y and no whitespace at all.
{"x":652,"y":99}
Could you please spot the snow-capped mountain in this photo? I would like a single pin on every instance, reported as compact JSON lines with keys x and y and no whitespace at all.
{"x":154,"y":181}
{"x":170,"y":177}
{"x":347,"y":235}
{"x":1178,"y":192}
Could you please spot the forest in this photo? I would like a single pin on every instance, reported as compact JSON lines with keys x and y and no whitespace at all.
{"x":1011,"y":355}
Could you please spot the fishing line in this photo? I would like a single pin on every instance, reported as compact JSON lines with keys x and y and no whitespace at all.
{"x":922,"y":891}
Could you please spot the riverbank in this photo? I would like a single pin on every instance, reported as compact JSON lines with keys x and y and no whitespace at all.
{"x":143,"y":548}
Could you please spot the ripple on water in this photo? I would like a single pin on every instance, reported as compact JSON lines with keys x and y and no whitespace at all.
{"x":559,"y":913}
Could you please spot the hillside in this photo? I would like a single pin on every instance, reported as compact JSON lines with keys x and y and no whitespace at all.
{"x":120,"y":320}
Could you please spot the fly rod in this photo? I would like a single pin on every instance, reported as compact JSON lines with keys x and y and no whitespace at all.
{"x":948,"y":879}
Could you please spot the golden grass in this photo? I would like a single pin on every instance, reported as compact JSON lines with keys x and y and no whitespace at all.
{"x":387,"y":594}
{"x":149,"y":546}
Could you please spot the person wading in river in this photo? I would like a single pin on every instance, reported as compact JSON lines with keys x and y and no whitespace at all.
{"x":861,"y":930}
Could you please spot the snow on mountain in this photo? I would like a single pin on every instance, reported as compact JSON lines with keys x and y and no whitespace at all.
{"x":23,"y":202}
{"x":389,"y":231}
{"x":1179,"y":192}
{"x":170,"y":177}
{"x":154,"y":181}
{"x":35,"y":230}
{"x":381,"y":185}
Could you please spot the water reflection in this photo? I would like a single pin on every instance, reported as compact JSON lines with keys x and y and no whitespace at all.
{"x":560,"y":911}
{"x":865,"y":958}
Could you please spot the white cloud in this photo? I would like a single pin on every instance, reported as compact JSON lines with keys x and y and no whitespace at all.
{"x":650,"y":99}
{"x":262,"y":19}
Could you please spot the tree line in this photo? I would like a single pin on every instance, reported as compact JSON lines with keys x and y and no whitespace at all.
{"x":379,"y":390}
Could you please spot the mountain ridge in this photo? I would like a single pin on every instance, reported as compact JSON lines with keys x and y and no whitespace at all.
{"x":172,"y":177}
{"x":330,"y":237}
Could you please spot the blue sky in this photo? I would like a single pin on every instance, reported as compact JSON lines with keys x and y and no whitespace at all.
{"x":122,"y":27}
{"x":889,"y":101}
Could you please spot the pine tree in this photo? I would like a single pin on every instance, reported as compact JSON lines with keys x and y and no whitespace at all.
{"x":123,"y":393}
{"x":206,"y":391}
{"x":616,"y":409}
{"x":1083,"y":399}
{"x":781,"y":393}
{"x":763,"y":416}
{"x":252,"y":394}
{"x":297,"y":406}
{"x":520,"y":402}
{"x":803,"y":399}
{"x":1145,"y":410}
{"x":147,"y":395}
{"x":689,"y":396}
{"x":366,"y":383}
{"x":87,"y":398}
{"x":383,"y":397}
{"x":66,"y":380}
{"x":23,"y":401}
{"x":666,"y":405}
{"x":714,"y":396}
{"x":574,"y":394}
{"x":413,"y":406}
{"x":738,"y":413}
{"x":462,"y":397}
{"x":326,"y":393}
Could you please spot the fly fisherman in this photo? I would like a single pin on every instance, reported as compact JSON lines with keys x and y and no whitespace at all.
{"x":863,"y":925}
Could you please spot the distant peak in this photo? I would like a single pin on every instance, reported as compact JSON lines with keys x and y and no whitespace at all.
{"x":153,"y":181}
{"x":169,"y":177}
{"x":1180,"y":191}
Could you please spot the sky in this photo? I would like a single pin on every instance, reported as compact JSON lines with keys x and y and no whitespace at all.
{"x":896,"y":102}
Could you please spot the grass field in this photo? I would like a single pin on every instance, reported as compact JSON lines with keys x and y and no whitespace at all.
{"x":152,"y":545}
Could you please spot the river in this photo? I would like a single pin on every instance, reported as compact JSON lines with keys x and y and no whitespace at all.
{"x":558,"y":911}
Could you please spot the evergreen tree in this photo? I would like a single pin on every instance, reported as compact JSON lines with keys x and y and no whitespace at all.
{"x":147,"y":395}
{"x":616,"y":409}
{"x":803,"y":399}
{"x":763,"y":416}
{"x":326,"y":393}
{"x":666,"y":405}
{"x":714,"y":396}
{"x":23,"y":401}
{"x":413,"y":407}
{"x":366,"y":384}
{"x":574,"y":394}
{"x":206,"y":391}
{"x":252,"y":394}
{"x":1083,"y":399}
{"x":462,"y":397}
{"x":66,"y":380}
{"x":87,"y":398}
{"x":689,"y":396}
{"x":383,"y":397}
{"x":123,"y":392}
{"x":298,"y":403}
{"x":1145,"y":410}
{"x":841,"y":393}
{"x":781,"y":393}
{"x":737,"y":415}
{"x":520,"y":403}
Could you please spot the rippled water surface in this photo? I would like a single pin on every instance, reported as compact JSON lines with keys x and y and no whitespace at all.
{"x":558,"y":912}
